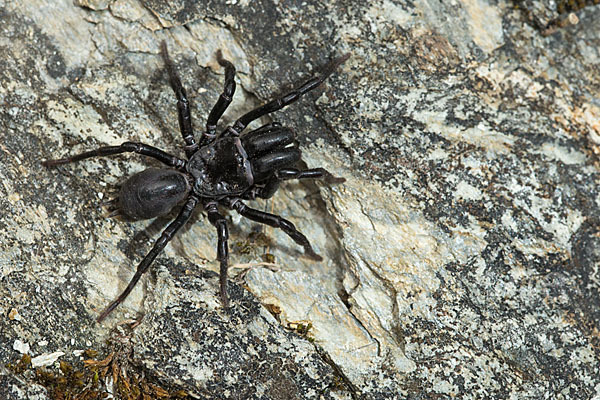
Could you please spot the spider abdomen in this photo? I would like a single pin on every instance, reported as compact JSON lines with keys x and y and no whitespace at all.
{"x":152,"y":192}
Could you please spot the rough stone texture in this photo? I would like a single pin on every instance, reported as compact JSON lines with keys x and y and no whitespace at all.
{"x":461,"y":257}
{"x":12,"y":387}
{"x":191,"y":343}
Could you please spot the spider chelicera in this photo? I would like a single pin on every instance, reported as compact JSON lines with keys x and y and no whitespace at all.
{"x":219,"y":170}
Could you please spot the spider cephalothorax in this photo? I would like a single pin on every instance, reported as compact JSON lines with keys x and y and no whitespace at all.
{"x":220,"y":170}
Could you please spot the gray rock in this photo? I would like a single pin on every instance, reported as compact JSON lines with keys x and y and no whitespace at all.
{"x":460,"y":256}
{"x":11,"y":387}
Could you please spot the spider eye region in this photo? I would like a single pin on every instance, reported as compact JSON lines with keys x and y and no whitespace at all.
{"x":221,"y":169}
{"x":152,"y":192}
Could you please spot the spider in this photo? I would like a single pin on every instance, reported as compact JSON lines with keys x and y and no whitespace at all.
{"x":219,"y":170}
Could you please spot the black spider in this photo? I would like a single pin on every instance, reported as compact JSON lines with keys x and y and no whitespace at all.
{"x":221,"y":169}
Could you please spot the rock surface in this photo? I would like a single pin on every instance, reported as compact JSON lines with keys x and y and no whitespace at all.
{"x":461,"y":256}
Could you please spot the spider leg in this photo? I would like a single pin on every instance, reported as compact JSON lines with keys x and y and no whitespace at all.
{"x":160,"y":244}
{"x":265,"y":192}
{"x":272,"y":184}
{"x":313,"y":173}
{"x":224,"y":99}
{"x":263,"y":167}
{"x":127,"y":147}
{"x":183,"y":105}
{"x":265,"y":128}
{"x":286,"y":99}
{"x":263,"y":141}
{"x":270,"y":127}
{"x":277,"y":222}
{"x":222,"y":250}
